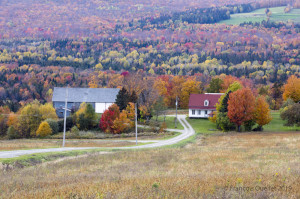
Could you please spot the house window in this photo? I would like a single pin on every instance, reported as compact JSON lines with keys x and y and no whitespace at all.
{"x":206,"y":103}
{"x":205,"y":112}
{"x":193,"y":112}
{"x":199,"y":112}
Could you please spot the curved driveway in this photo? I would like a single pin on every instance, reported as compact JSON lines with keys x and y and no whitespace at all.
{"x":187,"y":132}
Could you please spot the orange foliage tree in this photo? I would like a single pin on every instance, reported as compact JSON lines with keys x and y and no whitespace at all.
{"x":292,"y":89}
{"x":262,"y":112}
{"x":241,"y":106}
{"x":112,"y":121}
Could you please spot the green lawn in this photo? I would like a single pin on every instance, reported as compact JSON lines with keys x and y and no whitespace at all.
{"x":259,"y":15}
{"x":204,"y":126}
{"x":169,"y":121}
{"x":277,"y":124}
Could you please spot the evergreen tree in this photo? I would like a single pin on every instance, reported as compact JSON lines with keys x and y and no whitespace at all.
{"x":133,"y":97}
{"x":122,"y":99}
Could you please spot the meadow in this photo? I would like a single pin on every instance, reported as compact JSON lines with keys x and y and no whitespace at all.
{"x":246,"y":165}
{"x":259,"y":15}
{"x":205,"y":127}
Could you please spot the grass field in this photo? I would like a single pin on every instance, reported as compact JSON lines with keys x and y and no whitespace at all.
{"x":170,"y":122}
{"x":248,"y":165}
{"x":277,"y":124}
{"x":204,"y":126}
{"x":7,"y":145}
{"x":259,"y":15}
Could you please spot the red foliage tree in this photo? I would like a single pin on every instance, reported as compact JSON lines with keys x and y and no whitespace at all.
{"x":108,"y":118}
{"x":241,"y":106}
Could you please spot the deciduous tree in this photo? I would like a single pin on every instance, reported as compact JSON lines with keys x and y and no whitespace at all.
{"x":44,"y":129}
{"x":241,"y":106}
{"x":48,"y":111}
{"x":108,"y":117}
{"x":292,"y":89}
{"x":262,"y":112}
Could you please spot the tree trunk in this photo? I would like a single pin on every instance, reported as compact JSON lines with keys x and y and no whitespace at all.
{"x":239,"y":128}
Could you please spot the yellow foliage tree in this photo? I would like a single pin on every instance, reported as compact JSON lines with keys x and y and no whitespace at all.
{"x":292,"y":89}
{"x":190,"y":86}
{"x":80,"y":111}
{"x":44,"y":130}
{"x":262,"y":112}
{"x":48,"y":111}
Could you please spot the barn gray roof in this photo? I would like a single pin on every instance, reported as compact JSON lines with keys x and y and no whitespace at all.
{"x":98,"y":95}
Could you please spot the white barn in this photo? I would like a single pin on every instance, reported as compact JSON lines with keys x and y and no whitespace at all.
{"x":99,"y":98}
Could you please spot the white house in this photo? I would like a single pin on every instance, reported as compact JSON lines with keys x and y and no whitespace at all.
{"x":99,"y":98}
{"x":203,"y":105}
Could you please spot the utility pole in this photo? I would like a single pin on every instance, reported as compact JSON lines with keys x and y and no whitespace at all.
{"x":136,"y":142}
{"x":65,"y":117}
{"x":176,"y":103}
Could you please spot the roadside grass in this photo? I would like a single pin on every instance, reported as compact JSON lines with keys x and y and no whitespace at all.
{"x":170,"y":122}
{"x":34,"y":159}
{"x":26,"y":144}
{"x":259,"y":15}
{"x":9,"y":145}
{"x":213,"y":168}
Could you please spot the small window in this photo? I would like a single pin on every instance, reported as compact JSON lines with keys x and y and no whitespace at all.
{"x":193,"y":112}
{"x":206,"y":103}
{"x":205,"y":112}
{"x":199,"y":112}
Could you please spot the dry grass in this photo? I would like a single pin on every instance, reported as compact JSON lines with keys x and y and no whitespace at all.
{"x":7,"y":145}
{"x":204,"y":169}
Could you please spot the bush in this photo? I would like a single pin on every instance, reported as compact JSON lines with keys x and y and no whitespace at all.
{"x":223,"y":122}
{"x":249,"y":125}
{"x":53,"y":125}
{"x":83,"y":122}
{"x":163,"y":127}
{"x":44,"y":130}
{"x":291,"y":115}
{"x":12,"y":133}
{"x":69,"y":124}
{"x":75,"y":130}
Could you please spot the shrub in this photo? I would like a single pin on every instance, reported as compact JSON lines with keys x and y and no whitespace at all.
{"x":223,"y":122}
{"x":54,"y":125}
{"x":69,"y":124}
{"x":291,"y":115}
{"x":163,"y":127}
{"x":44,"y":130}
{"x":12,"y":133}
{"x":75,"y":130}
{"x":249,"y":125}
{"x":83,"y":122}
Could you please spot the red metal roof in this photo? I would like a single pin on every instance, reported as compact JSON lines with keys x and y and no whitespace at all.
{"x":197,"y":101}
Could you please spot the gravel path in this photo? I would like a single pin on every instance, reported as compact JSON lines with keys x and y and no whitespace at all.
{"x":187,"y":132}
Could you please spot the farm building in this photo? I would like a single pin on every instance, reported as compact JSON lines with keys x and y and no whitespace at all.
{"x":203,"y":105}
{"x":99,"y":98}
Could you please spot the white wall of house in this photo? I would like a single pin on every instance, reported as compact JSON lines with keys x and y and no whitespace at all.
{"x":101,"y":107}
{"x":197,"y":113}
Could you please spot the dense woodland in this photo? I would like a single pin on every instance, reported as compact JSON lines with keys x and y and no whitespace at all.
{"x":172,"y":49}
